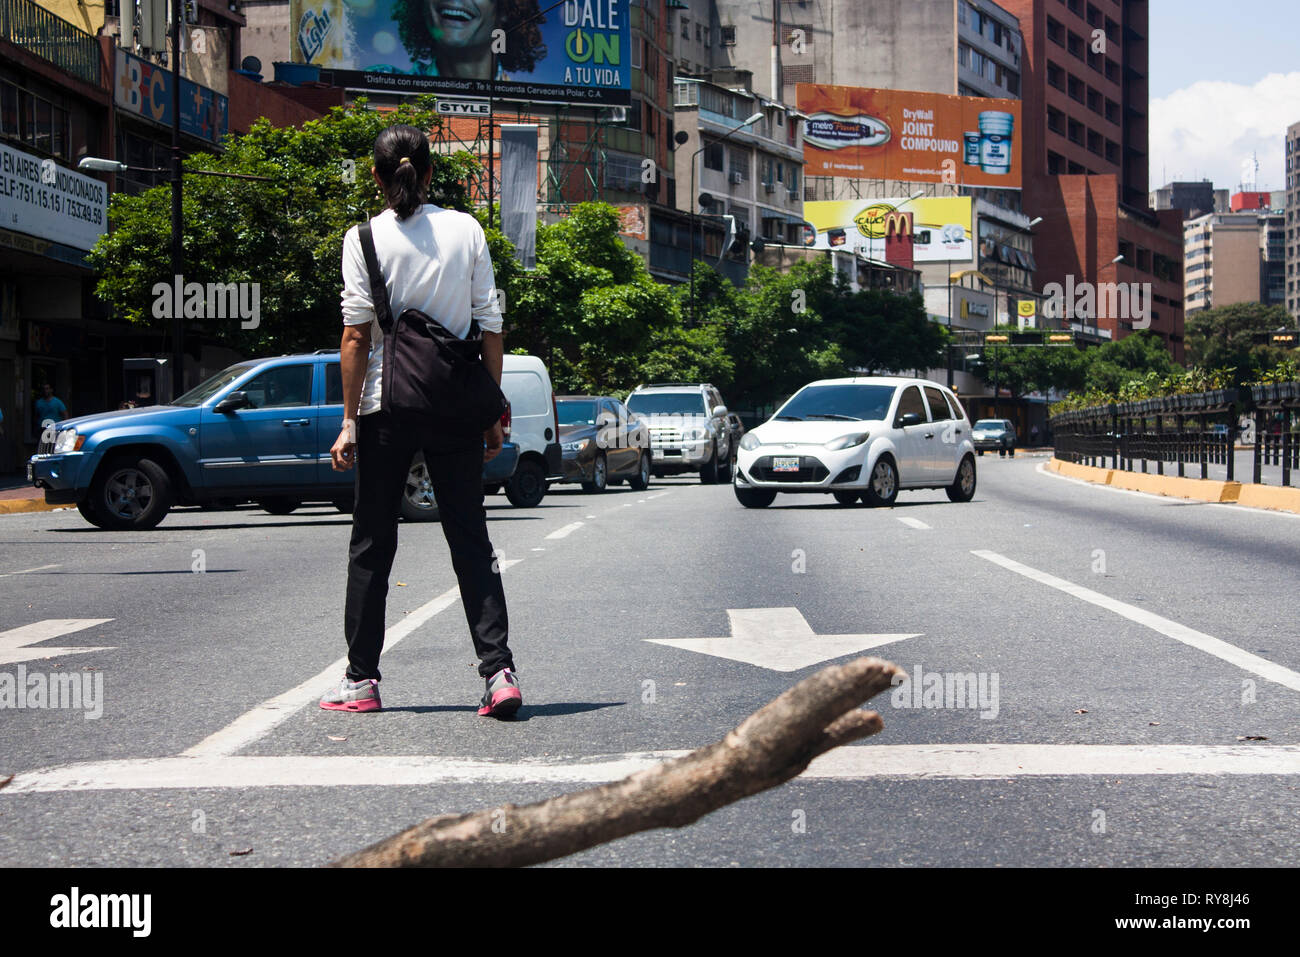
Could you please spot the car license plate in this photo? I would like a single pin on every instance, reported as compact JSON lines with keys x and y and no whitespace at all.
{"x":785,"y":464}
{"x":672,"y":451}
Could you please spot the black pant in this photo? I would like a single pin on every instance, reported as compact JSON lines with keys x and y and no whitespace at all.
{"x":454,"y":459}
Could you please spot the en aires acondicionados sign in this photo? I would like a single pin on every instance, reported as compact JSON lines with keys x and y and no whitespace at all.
{"x":40,"y":198}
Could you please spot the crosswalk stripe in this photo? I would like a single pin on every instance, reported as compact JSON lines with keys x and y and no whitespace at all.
{"x":853,"y":763}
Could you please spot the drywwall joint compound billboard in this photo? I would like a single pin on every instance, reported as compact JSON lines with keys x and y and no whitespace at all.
{"x":941,"y":226}
{"x":574,"y":51}
{"x":914,"y":137}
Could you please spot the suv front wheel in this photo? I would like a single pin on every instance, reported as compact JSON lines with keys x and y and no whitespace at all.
{"x":129,"y":494}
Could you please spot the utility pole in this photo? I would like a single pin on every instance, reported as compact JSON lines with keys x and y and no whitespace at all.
{"x":178,"y":250}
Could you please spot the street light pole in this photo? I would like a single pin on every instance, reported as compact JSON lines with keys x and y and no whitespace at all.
{"x":178,"y":324}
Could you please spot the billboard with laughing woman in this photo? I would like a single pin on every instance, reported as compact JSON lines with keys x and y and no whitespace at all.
{"x":573,"y":51}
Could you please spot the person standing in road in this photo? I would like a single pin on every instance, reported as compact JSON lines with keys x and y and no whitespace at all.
{"x":435,"y":260}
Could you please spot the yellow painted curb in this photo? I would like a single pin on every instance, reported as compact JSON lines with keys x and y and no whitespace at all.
{"x":1270,"y":496}
{"x":13,"y":506}
{"x":1086,"y":473}
{"x":1202,"y":490}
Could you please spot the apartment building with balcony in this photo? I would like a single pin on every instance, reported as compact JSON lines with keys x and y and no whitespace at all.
{"x":752,"y":174}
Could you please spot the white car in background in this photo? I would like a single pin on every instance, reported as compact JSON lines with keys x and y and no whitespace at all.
{"x":861,"y":438}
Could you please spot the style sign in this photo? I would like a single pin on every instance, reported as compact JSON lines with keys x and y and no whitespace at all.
{"x":915,"y":137}
{"x":573,"y":51}
{"x":464,"y":107}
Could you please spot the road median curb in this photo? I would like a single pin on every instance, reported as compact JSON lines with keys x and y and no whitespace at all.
{"x":13,"y":506}
{"x":1274,"y":497}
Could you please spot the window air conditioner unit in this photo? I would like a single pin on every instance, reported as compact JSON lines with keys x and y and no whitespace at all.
{"x":770,"y":187}
{"x":737,"y":177}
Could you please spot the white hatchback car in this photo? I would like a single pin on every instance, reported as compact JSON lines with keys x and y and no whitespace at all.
{"x":859,"y":438}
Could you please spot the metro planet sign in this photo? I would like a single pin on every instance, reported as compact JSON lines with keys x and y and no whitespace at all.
{"x":861,"y":133}
{"x":573,"y":51}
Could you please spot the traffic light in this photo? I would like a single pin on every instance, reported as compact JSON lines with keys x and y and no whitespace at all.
{"x":1282,"y":338}
{"x":1061,"y":339}
{"x":1026,"y":338}
{"x":996,"y":340}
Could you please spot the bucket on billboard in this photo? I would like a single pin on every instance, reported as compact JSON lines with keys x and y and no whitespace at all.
{"x":995,"y":146}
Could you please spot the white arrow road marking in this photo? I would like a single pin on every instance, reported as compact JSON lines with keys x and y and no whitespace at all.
{"x":14,"y":642}
{"x":25,"y":571}
{"x":912,"y":522}
{"x":566,"y":531}
{"x":779,"y":639}
{"x":1171,"y":629}
{"x":252,"y":725}
{"x":851,"y":763}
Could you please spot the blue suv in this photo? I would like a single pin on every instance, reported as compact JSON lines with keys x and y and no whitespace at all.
{"x":260,"y":430}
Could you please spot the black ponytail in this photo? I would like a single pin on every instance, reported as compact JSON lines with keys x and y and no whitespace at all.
{"x":402,"y":160}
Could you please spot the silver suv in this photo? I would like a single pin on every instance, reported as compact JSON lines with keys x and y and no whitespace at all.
{"x":688,"y":429}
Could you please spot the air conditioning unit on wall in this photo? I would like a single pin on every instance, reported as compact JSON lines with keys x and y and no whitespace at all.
{"x":737,"y":178}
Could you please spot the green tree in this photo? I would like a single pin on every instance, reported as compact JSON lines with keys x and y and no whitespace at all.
{"x":285,"y":234}
{"x":1223,"y":337}
{"x":880,"y":331}
{"x":780,"y":340}
{"x":590,"y":308}
{"x":1133,"y":357}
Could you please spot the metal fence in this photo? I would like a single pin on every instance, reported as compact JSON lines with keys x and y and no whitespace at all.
{"x":1188,"y":435}
{"x":52,"y":38}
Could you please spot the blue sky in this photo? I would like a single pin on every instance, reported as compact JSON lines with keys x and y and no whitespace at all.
{"x":1225,"y":81}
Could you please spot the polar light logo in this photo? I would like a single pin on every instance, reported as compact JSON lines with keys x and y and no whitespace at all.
{"x":75,"y":910}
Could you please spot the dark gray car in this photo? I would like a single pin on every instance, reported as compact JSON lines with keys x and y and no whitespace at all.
{"x":994,"y":435}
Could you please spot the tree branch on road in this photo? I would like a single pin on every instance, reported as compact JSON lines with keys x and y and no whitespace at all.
{"x":770,"y":747}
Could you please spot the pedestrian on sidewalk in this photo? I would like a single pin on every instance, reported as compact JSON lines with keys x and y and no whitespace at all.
{"x":49,"y":408}
{"x":416,"y":256}
{"x":1033,"y":436}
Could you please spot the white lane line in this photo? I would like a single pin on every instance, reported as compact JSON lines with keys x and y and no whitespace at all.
{"x":651,"y":498}
{"x":1171,"y":629}
{"x":259,"y":722}
{"x":912,"y":522}
{"x":38,"y":568}
{"x":853,"y":763}
{"x":566,"y":531}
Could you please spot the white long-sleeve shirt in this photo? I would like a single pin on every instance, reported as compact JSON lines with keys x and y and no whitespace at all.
{"x":437,"y":261}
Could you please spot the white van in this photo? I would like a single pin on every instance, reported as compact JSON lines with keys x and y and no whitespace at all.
{"x":533,"y":419}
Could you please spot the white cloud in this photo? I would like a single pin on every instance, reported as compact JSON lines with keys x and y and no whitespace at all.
{"x":1207,"y":130}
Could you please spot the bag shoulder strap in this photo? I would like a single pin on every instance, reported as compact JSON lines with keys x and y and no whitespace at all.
{"x":378,"y":291}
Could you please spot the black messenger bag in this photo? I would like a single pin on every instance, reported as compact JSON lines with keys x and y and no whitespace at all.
{"x":430,"y":374}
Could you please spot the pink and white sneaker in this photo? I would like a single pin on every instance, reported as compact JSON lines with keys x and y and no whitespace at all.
{"x":503,"y":697}
{"x":353,"y":696}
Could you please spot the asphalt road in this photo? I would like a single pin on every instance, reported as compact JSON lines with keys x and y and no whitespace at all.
{"x":1139,"y":660}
